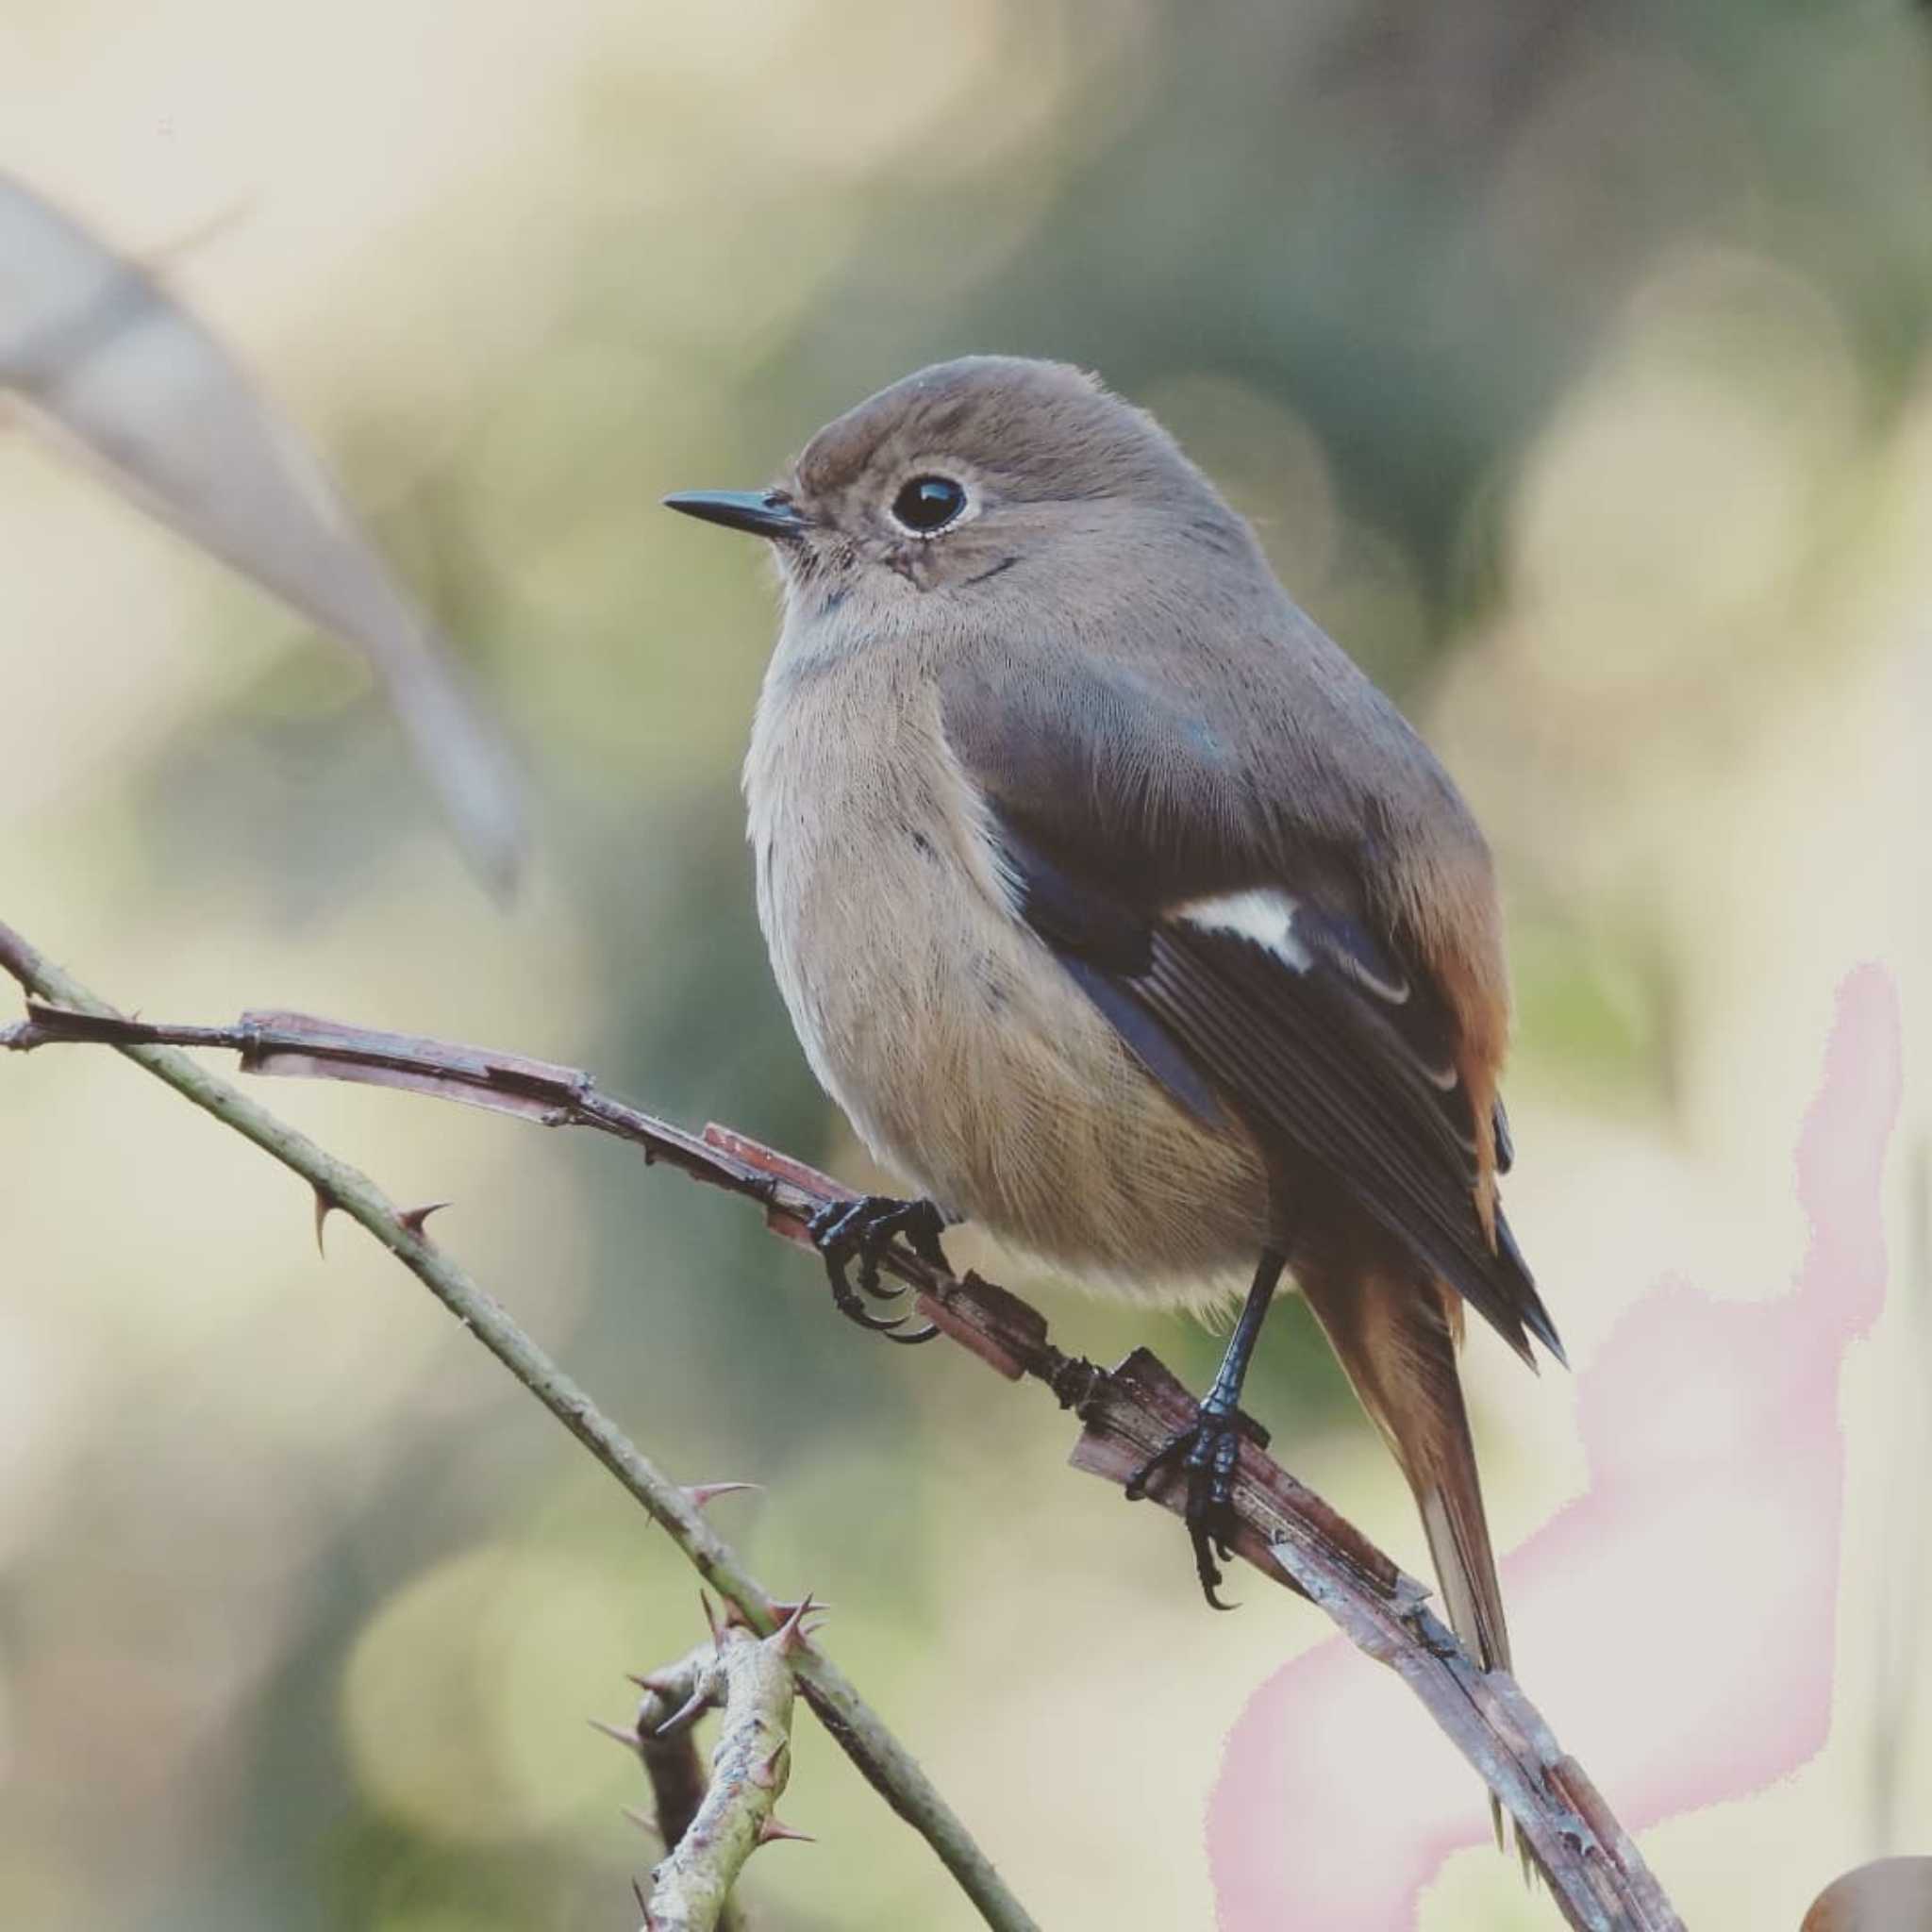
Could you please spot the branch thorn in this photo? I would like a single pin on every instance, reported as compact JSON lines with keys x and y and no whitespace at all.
{"x":783,"y":1608}
{"x":413,"y":1217}
{"x":792,"y":1632}
{"x":773,"y":1829}
{"x":701,"y":1493}
{"x":769,"y":1775}
{"x":686,"y":1714}
{"x":658,"y":1683}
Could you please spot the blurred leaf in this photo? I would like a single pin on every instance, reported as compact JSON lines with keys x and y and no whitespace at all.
{"x":110,"y":359}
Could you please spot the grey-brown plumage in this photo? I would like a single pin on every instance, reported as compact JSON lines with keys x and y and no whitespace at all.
{"x":1121,"y":912}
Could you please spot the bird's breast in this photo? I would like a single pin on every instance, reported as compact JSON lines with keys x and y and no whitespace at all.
{"x":961,"y":1051}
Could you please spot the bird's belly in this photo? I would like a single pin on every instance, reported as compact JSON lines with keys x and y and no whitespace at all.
{"x":969,"y":1061}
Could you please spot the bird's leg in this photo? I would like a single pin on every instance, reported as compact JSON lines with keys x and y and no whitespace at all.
{"x":863,"y":1229}
{"x":1210,"y":1448}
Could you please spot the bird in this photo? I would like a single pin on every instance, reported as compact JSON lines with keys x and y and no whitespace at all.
{"x":1126,"y":918}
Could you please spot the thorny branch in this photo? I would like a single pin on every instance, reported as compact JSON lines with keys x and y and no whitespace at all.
{"x":887,"y":1765}
{"x":710,"y":1829}
{"x":670,"y":1758}
{"x":1286,"y":1532}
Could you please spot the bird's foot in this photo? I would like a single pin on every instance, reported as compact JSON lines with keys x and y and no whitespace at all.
{"x":862,"y":1230}
{"x":1209,"y":1452}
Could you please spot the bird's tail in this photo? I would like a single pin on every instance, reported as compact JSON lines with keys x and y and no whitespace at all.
{"x":1396,"y":1335}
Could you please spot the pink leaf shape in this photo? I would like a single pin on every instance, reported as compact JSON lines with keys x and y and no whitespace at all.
{"x":1686,"y":1603}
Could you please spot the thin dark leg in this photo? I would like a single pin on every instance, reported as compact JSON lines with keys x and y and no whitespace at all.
{"x":1224,"y":1397}
{"x":1211,"y":1449}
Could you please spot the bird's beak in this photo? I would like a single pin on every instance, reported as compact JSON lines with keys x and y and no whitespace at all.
{"x":763,"y":512}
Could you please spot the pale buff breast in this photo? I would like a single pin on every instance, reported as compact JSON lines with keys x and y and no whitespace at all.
{"x":962,"y":1053}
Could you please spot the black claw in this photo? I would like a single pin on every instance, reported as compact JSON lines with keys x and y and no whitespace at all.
{"x":869,"y":1280}
{"x":1209,"y":1450}
{"x":1207,"y":1573}
{"x":861,"y":1230}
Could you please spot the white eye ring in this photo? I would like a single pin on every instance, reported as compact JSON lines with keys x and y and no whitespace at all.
{"x":929,"y":504}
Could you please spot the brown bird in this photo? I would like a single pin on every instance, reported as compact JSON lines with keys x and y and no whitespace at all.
{"x":1124,"y":915}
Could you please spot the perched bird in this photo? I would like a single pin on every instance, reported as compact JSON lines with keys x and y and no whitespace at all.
{"x":1122,"y":914}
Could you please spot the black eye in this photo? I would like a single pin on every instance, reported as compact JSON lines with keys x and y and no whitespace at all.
{"x":928,"y":504}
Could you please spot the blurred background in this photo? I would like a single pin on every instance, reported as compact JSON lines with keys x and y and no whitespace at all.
{"x":1576,"y":370}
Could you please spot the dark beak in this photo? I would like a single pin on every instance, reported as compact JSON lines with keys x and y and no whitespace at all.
{"x":763,"y":512}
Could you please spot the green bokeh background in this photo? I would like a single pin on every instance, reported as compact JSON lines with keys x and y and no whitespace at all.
{"x":1573,"y":364}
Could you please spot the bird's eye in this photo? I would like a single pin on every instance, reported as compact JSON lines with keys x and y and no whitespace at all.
{"x":928,"y":504}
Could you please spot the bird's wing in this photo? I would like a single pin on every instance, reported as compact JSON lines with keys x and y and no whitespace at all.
{"x":1237,"y":953}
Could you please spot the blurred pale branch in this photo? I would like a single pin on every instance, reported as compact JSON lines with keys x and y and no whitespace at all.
{"x":104,"y":354}
{"x":885,"y":1763}
{"x":710,"y":1831}
{"x":1888,"y":1895}
{"x":1288,"y":1533}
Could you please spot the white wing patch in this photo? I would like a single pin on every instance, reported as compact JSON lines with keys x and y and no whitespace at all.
{"x":1264,"y":916}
